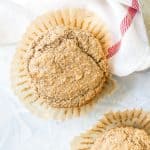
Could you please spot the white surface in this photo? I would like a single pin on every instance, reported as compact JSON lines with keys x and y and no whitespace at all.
{"x":20,"y":130}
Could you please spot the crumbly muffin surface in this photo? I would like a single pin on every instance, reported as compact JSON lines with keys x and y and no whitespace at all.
{"x":67,"y":67}
{"x":123,"y":138}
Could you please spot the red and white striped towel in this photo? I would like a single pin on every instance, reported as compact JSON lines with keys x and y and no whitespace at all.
{"x":130,"y":49}
{"x":131,"y":52}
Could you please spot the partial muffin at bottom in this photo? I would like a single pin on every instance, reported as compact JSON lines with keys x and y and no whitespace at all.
{"x":127,"y":130}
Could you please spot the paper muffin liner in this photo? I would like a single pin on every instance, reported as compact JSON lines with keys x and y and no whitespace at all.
{"x":73,"y":18}
{"x":129,"y":118}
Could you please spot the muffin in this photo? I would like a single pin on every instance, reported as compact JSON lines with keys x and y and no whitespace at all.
{"x":61,"y":68}
{"x":128,"y":130}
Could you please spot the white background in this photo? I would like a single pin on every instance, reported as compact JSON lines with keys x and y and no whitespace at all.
{"x":19,"y":129}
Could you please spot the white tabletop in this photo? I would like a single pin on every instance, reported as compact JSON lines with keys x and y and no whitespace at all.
{"x":20,"y":130}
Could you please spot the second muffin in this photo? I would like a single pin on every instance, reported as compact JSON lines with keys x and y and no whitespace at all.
{"x":126,"y":130}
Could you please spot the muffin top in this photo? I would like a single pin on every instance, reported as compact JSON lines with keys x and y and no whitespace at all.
{"x":66,"y":67}
{"x":123,"y":138}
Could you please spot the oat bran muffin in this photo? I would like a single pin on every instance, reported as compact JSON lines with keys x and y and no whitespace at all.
{"x":123,"y":138}
{"x":59,"y":69}
{"x":128,"y":130}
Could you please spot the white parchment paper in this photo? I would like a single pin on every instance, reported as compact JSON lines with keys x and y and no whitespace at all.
{"x":19,"y":129}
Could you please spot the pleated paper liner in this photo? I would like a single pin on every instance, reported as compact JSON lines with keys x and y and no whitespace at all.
{"x":129,"y":118}
{"x":73,"y":18}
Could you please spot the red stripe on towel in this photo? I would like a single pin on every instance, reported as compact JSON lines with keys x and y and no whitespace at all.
{"x":124,"y":26}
